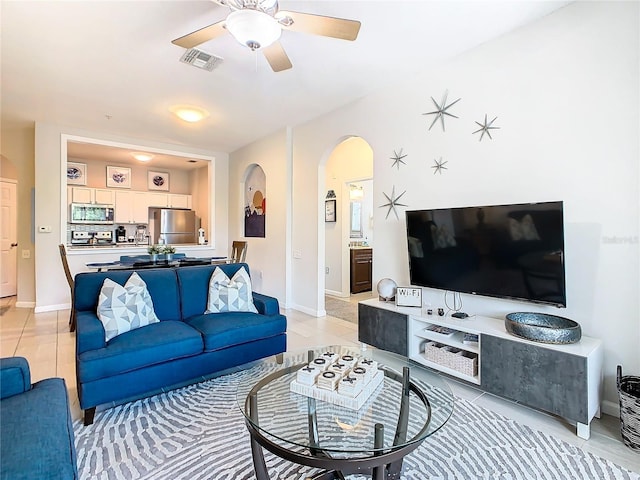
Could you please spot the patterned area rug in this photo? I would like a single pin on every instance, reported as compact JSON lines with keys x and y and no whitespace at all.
{"x":341,"y":309}
{"x":198,"y":432}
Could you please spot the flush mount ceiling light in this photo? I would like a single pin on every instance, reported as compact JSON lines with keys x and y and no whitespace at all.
{"x":253,"y":28}
{"x":141,"y":156}
{"x":189,"y":113}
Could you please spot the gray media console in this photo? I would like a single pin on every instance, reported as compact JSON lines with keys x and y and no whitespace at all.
{"x":565,"y":380}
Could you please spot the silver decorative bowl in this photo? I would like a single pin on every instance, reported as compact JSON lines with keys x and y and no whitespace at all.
{"x":543,"y":328}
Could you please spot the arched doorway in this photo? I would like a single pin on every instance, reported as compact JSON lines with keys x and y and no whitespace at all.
{"x":348,"y":170}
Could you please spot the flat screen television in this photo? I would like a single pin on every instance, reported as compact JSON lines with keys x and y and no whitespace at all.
{"x":506,"y":251}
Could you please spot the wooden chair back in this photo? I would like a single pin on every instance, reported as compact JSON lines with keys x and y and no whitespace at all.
{"x":238,"y":251}
{"x":65,"y":265}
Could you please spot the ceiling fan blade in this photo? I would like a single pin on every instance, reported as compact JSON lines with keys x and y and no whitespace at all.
{"x":205,"y":34}
{"x":319,"y":25}
{"x":277,"y":57}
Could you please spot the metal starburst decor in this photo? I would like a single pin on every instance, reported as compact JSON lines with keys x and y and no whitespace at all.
{"x":398,"y":159}
{"x":441,"y":110}
{"x":392,"y":202}
{"x":485,"y":127}
{"x":438,"y":166}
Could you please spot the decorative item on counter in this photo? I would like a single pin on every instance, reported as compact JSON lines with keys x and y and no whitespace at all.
{"x":408,"y":297}
{"x":541,"y":327}
{"x":168,"y":251}
{"x":387,"y":290}
{"x":154,"y":251}
{"x":331,"y":194}
{"x":201,"y":239}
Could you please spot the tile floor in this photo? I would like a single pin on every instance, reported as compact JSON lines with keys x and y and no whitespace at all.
{"x":44,"y":339}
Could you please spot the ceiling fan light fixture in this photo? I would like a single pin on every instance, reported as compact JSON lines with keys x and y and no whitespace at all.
{"x":253,"y":28}
{"x":189,"y":113}
{"x":141,"y":156}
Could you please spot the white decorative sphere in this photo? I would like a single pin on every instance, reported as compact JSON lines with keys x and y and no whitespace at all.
{"x":387,"y":289}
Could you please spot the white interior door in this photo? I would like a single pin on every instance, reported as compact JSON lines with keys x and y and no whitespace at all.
{"x":8,"y":239}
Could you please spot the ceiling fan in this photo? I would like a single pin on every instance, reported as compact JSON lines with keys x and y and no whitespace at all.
{"x":258,"y":25}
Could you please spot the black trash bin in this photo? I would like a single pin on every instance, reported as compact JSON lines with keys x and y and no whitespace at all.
{"x":629,"y":392}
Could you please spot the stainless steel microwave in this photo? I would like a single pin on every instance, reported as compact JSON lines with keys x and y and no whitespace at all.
{"x":90,"y":213}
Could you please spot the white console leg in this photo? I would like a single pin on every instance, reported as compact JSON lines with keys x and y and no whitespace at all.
{"x":583,"y":430}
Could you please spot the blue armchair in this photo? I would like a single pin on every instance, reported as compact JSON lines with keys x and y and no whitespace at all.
{"x":36,"y":435}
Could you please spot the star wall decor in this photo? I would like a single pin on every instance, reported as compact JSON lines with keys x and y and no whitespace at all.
{"x":485,"y":127}
{"x":397,"y":159}
{"x":441,"y":111}
{"x":438,"y":166}
{"x":393,"y":202}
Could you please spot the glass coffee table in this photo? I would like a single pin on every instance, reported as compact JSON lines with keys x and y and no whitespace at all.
{"x":409,"y":405}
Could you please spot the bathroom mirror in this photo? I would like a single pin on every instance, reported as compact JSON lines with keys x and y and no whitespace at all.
{"x":356,"y":220}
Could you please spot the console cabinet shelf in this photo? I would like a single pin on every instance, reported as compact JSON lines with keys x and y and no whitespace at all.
{"x":565,"y":380}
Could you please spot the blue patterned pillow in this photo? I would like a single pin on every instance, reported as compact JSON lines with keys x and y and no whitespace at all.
{"x":230,"y":295}
{"x":121,"y":309}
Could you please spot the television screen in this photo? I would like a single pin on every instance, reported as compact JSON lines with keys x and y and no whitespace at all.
{"x":508,"y":251}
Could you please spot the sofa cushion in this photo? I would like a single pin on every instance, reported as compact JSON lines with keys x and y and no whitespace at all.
{"x":121,"y":309}
{"x":150,"y":345}
{"x":193,"y":282}
{"x":230,"y":295}
{"x":15,"y":376}
{"x":162,"y":284}
{"x":222,"y":330}
{"x":36,"y":436}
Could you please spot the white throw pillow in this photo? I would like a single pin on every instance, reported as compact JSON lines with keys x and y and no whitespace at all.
{"x":230,"y":295}
{"x":121,"y":309}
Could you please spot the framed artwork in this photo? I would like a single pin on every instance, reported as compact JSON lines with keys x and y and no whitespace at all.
{"x":158,"y":180}
{"x":330,"y":210}
{"x":255,"y":202}
{"x":76,"y":173}
{"x":118,"y":177}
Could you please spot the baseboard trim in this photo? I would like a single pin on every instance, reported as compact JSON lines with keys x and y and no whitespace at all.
{"x":308,"y":311}
{"x":52,"y":308}
{"x":610,"y":408}
{"x":25,"y":304}
{"x":335,"y":293}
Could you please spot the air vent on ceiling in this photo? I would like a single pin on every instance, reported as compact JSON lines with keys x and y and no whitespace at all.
{"x":200,"y":59}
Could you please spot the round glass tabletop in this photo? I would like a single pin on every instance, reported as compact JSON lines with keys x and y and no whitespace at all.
{"x":295,"y":421}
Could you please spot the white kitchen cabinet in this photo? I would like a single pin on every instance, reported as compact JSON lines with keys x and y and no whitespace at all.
{"x":140,"y":207}
{"x":159,"y":200}
{"x":105,"y":197}
{"x":131,"y":207}
{"x":81,"y":195}
{"x":179,"y":201}
{"x":90,"y":195}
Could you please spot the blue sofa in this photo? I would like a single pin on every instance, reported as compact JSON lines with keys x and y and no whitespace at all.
{"x":36,"y":435}
{"x":186,"y":346}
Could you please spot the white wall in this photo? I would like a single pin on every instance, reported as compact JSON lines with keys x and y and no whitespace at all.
{"x":52,"y":291}
{"x":267,"y":257}
{"x":565,"y":90}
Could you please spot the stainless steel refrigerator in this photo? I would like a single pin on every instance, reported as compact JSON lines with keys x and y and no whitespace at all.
{"x":174,"y":226}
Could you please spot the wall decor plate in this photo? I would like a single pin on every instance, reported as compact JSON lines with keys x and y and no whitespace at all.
{"x":408,"y":297}
{"x":158,"y":180}
{"x":119,"y":177}
{"x":76,"y":173}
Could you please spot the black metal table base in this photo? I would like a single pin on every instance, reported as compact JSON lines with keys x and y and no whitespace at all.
{"x":382,"y":464}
